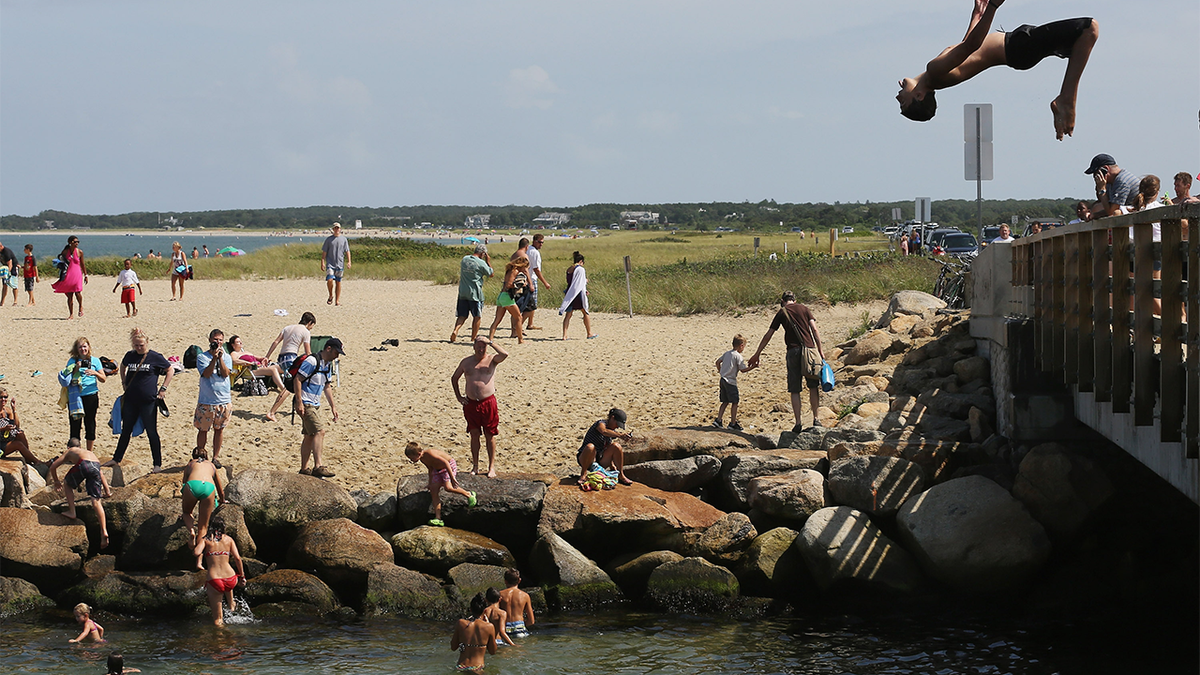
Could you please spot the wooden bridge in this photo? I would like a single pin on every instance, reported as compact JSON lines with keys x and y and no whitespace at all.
{"x":1109,"y":307}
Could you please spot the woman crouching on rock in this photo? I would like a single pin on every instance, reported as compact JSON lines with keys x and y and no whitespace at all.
{"x":474,"y":636}
{"x":221,"y":557}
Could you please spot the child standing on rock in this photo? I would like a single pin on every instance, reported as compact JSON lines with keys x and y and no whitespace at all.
{"x":729,"y":365}
{"x":443,"y":471}
{"x":86,"y":471}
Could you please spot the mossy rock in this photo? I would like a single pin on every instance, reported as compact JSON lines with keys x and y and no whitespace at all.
{"x":692,"y":585}
{"x":18,"y":595}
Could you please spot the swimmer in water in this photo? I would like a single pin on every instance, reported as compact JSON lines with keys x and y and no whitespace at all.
{"x":473,"y":636}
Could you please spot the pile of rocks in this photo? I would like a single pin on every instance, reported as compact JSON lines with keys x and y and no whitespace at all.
{"x":902,"y":488}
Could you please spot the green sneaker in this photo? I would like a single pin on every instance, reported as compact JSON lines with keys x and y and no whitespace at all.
{"x":437,"y":522}
{"x":472,"y":500}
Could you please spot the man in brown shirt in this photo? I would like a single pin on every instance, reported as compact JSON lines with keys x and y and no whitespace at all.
{"x":804,"y":353}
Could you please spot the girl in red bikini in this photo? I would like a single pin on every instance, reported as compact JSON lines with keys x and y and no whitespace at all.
{"x":220,"y":558}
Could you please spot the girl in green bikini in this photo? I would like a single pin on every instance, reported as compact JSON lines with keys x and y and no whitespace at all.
{"x":201,"y":485}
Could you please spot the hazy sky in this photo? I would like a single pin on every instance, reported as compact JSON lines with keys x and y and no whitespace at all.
{"x":110,"y":106}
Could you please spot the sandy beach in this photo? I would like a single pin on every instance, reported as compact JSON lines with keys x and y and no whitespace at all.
{"x":659,"y":369}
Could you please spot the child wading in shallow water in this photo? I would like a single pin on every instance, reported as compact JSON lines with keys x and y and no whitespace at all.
{"x":83,"y":614}
{"x":473,"y":637}
{"x":497,"y":617}
{"x":220,"y":557}
{"x":443,"y":471}
{"x":116,"y":665}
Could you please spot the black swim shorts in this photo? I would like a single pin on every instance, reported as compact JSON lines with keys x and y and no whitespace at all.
{"x":88,"y":473}
{"x":1027,"y":45}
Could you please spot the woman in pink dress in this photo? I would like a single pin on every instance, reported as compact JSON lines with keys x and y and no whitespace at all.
{"x":76,"y":277}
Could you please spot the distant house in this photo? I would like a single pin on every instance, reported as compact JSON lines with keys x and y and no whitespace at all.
{"x":479,"y":221}
{"x":552,"y":218}
{"x":639,"y":217}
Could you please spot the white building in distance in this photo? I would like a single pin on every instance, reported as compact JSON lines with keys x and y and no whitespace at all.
{"x":639,"y":217}
{"x":552,"y":218}
{"x":477,"y":221}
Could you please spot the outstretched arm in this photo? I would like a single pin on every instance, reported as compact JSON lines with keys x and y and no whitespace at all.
{"x":953,"y":57}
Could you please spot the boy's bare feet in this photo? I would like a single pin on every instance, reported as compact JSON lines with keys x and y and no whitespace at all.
{"x":1064,"y":117}
{"x":70,"y":513}
{"x":491,"y":473}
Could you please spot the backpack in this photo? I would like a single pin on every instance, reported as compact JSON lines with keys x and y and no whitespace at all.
{"x":189,"y":356}
{"x":110,"y":368}
{"x":520,"y":286}
{"x":254,"y":387}
{"x":294,"y":369}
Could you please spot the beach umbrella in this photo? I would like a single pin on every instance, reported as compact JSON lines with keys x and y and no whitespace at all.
{"x":231,"y":250}
{"x":473,"y":240}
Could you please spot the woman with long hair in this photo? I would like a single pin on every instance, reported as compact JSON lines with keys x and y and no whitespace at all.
{"x":474,"y":636}
{"x":178,"y":268}
{"x":140,"y":370}
{"x":80,"y":376}
{"x":576,"y":296}
{"x":72,"y":282}
{"x":261,"y":368}
{"x":506,"y":302}
{"x":224,"y":565}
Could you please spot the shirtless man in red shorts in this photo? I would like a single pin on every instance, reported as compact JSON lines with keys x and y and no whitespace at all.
{"x":479,"y":404}
{"x":1021,"y":49}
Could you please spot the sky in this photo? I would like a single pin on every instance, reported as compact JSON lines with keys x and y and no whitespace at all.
{"x":113,"y":106}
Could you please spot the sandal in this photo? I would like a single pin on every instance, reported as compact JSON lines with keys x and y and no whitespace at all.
{"x":472,"y":500}
{"x":436,"y":522}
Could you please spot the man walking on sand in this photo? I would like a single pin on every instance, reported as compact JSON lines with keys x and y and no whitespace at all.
{"x":471,"y":272}
{"x":535,"y":279}
{"x":311,"y":381}
{"x":333,"y":251}
{"x":479,"y":405}
{"x":803,"y":349}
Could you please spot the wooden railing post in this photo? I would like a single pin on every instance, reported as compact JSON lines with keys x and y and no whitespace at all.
{"x":1071,"y":309}
{"x":1171,"y":388}
{"x":1122,"y":355}
{"x":1143,"y":325}
{"x":1101,"y":304}
{"x":1193,"y":340}
{"x":1084,"y":277}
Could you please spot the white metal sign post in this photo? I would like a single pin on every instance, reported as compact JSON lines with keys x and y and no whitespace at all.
{"x":628,"y":291}
{"x":977,"y":146}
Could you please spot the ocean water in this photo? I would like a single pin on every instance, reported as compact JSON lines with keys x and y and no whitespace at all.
{"x":614,"y":641}
{"x":97,"y":245}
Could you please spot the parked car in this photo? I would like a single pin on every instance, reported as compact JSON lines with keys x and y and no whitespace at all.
{"x":847,"y":230}
{"x":959,"y":244}
{"x":988,"y":233}
{"x":934,"y":238}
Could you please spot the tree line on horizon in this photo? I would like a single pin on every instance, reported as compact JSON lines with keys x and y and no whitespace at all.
{"x":766,"y":215}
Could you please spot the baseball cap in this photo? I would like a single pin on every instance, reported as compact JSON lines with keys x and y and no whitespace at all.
{"x":336,"y":344}
{"x":618,"y":415}
{"x":1100,"y":160}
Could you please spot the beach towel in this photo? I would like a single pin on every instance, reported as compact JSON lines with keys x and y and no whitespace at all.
{"x":598,"y":478}
{"x":578,"y":285}
{"x":74,"y":392}
{"x":114,"y":420}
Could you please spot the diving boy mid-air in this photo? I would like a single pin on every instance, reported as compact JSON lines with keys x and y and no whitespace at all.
{"x":1020,"y":49}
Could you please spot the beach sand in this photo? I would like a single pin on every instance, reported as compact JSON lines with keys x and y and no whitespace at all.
{"x":659,"y":369}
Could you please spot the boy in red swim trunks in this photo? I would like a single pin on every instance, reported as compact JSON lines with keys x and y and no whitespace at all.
{"x":443,"y":471}
{"x":479,"y":405}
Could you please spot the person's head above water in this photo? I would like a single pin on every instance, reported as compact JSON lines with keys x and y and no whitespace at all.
{"x":916,"y":103}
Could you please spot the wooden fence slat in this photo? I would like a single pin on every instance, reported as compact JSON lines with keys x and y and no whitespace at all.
{"x":1101,"y":300}
{"x":1171,"y":388}
{"x":1083,"y":273}
{"x":1071,"y":309}
{"x":1122,"y":351}
{"x":1049,"y":293}
{"x":1193,"y":341}
{"x":1144,"y":379}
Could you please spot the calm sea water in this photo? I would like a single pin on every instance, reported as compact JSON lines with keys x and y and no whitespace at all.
{"x":95,"y":245}
{"x":615,"y":642}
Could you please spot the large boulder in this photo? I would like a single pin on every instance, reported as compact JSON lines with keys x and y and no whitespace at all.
{"x":1060,"y":488}
{"x":675,"y":475}
{"x":912,"y":303}
{"x":570,"y":579}
{"x":234,"y":519}
{"x":972,"y":369}
{"x":971,"y":533}
{"x":631,"y":572}
{"x":119,"y":513}
{"x":46,"y":549}
{"x":877,"y":485}
{"x":156,"y":538}
{"x":691,"y":585}
{"x":277,"y":504}
{"x":873,"y":346}
{"x":392,"y":589}
{"x":18,"y":595}
{"x":932,"y":454}
{"x":291,"y":587}
{"x":507,"y":508}
{"x":436,"y":549}
{"x":658,"y":444}
{"x":771,"y":565}
{"x":606,"y":523}
{"x":841,"y":545}
{"x":809,"y":438}
{"x":378,"y":512}
{"x":724,"y":542}
{"x":738,"y":470}
{"x":14,"y":484}
{"x":340,"y":551}
{"x":794,"y":496}
{"x":470,"y":578}
{"x":139,"y":593}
